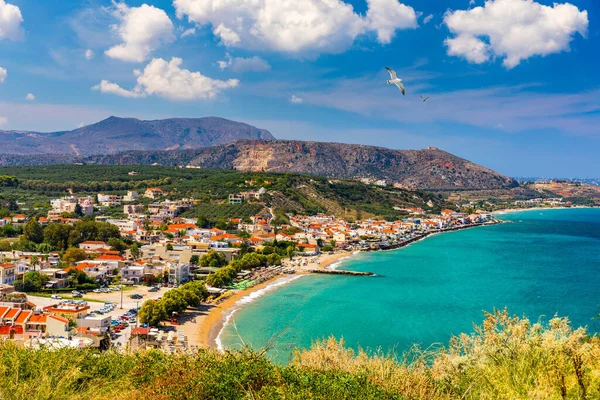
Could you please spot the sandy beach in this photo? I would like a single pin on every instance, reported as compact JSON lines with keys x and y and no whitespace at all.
{"x":203,"y":329}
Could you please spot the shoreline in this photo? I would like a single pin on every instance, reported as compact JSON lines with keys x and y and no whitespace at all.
{"x":516,"y":210}
{"x":212,"y":324}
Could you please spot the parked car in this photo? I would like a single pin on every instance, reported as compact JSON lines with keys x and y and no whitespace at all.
{"x":56,"y":297}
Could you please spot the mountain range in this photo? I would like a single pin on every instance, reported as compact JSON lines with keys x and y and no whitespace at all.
{"x":116,"y":134}
{"x":219,"y":143}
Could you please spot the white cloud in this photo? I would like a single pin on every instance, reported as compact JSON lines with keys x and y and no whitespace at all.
{"x":3,"y":121}
{"x":427,"y":19}
{"x":296,"y":100}
{"x":303,"y":27}
{"x":112,"y":88}
{"x":10,"y":21}
{"x":142,"y":29}
{"x":240,"y":64}
{"x":167,"y":79}
{"x":89,"y":54}
{"x":514,"y":30}
{"x":30,"y":97}
{"x":3,"y":74}
{"x":189,"y":32}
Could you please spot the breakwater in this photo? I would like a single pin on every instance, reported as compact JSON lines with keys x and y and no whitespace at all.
{"x":340,"y":272}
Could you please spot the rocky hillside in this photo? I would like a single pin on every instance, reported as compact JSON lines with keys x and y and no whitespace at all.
{"x":117,"y":134}
{"x":423,"y":169}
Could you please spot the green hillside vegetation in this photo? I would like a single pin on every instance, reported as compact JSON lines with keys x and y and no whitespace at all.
{"x":32,"y":187}
{"x":506,"y":358}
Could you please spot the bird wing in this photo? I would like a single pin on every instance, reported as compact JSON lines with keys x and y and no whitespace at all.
{"x":401,"y":87}
{"x":392,"y":73}
{"x":426,"y":98}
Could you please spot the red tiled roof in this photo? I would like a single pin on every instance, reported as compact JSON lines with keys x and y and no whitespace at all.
{"x":23,"y":316}
{"x":37,"y":319}
{"x":182,"y":226}
{"x":5,"y":329}
{"x":12,"y":313}
{"x":108,"y":257}
{"x":140,"y":331}
{"x":58,"y":318}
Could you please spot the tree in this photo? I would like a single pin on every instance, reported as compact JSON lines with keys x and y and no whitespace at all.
{"x":169,"y":246}
{"x":195,"y":259}
{"x":152,"y":312}
{"x":134,"y":250}
{"x":31,"y":282}
{"x":213,"y":259}
{"x":34,"y":261}
{"x":44,"y":248}
{"x":203,"y":222}
{"x":57,"y":235}
{"x":174,"y":301}
{"x":33,"y":231}
{"x":9,"y":230}
{"x":290,"y":252}
{"x":73,"y":255}
{"x":117,"y":244}
{"x":274,"y":259}
{"x":78,"y":210}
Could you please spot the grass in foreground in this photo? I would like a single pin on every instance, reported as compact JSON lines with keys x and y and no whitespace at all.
{"x":506,"y":358}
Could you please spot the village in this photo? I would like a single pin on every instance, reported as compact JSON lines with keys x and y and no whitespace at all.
{"x":93,"y":298}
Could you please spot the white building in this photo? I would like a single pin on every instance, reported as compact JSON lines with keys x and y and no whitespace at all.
{"x":131,"y":196}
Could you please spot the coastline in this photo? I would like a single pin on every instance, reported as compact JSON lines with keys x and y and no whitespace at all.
{"x":516,"y":210}
{"x":210,"y":326}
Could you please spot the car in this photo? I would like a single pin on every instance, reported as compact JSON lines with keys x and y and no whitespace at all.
{"x":153,"y":289}
{"x":74,"y":292}
{"x":136,"y":296}
{"x":56,"y":297}
{"x":78,"y":295}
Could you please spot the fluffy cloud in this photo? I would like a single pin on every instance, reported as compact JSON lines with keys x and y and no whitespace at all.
{"x":427,"y":19}
{"x":89,"y":54}
{"x":307,"y":27}
{"x":240,"y":64}
{"x":167,"y":79}
{"x":10,"y":21}
{"x":3,"y":121}
{"x":143,"y":30}
{"x":30,"y":97}
{"x":514,"y":30}
{"x":296,"y":100}
{"x":3,"y":74}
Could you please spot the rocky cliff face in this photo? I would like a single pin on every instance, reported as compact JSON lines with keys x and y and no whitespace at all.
{"x":414,"y":169}
{"x":117,"y":134}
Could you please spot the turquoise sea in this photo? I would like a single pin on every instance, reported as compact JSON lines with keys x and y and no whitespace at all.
{"x":539,"y":264}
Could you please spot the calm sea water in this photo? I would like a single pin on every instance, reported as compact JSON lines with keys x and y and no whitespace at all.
{"x":542,"y":263}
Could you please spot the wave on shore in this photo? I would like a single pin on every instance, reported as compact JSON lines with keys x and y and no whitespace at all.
{"x":249,"y":299}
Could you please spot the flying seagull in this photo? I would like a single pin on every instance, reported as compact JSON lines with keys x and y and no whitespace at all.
{"x":395,"y":80}
{"x":425,"y":98}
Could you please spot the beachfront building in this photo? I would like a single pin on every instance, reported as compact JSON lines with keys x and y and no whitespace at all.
{"x":308,"y":248}
{"x":179,"y":273}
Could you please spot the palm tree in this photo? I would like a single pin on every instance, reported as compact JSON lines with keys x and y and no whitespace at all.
{"x":34,"y":261}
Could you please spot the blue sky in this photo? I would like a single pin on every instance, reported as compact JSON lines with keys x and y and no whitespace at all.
{"x":514,"y":84}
